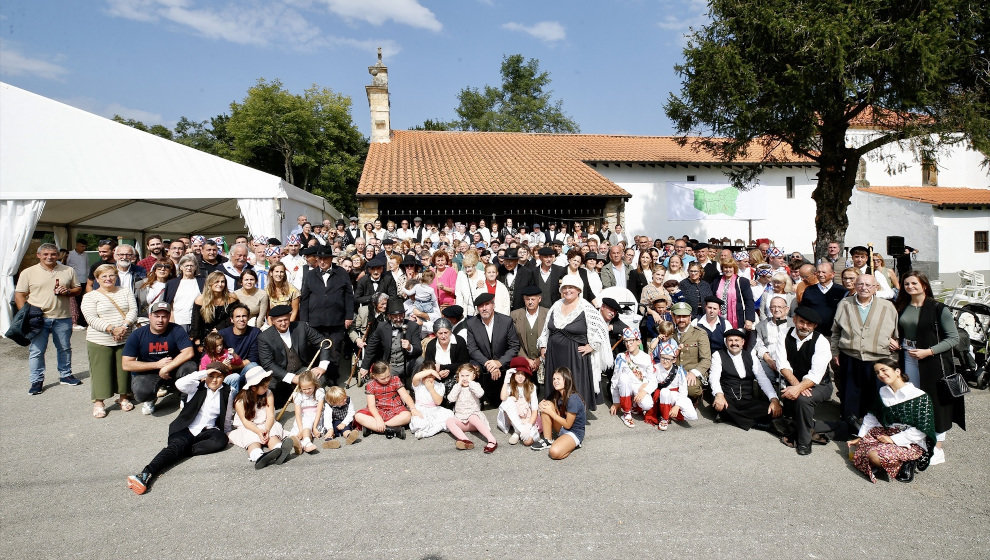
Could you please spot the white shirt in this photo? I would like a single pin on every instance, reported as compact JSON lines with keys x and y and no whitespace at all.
{"x":531,"y":318}
{"x":182,"y":301}
{"x":819,"y":360}
{"x":489,"y":327}
{"x":442,"y":357}
{"x":126,"y":277}
{"x":715,"y":373}
{"x":908,"y":434}
{"x":621,"y":275}
{"x":207,"y":415}
{"x":80,"y":263}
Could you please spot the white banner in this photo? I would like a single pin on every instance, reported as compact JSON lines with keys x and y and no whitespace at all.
{"x":698,"y":201}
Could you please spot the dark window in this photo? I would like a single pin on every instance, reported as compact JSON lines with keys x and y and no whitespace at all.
{"x":790,"y":187}
{"x":980,"y":244}
{"x":690,"y":178}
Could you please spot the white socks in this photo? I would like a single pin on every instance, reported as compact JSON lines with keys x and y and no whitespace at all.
{"x":254,"y":454}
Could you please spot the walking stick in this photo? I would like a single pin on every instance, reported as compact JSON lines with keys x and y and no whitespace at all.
{"x":324,"y":344}
{"x":358,"y":355}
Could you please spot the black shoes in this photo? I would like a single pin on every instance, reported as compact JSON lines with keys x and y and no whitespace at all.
{"x":398,"y":432}
{"x":906,"y":474}
{"x":803,"y":449}
{"x":268,"y":458}
{"x":366,"y":432}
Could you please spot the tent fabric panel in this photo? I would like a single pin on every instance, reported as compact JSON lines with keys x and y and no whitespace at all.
{"x":16,"y":218}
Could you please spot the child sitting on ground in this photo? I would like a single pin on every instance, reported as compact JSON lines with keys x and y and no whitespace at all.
{"x":634,"y":381}
{"x":466,"y":396}
{"x":428,"y":389}
{"x":385,"y":413}
{"x":307,"y":404}
{"x":254,"y":422}
{"x":672,"y":395}
{"x":517,"y":414}
{"x":423,"y":295}
{"x":338,"y":419}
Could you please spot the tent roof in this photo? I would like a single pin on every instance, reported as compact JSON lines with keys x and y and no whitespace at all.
{"x":99,"y":174}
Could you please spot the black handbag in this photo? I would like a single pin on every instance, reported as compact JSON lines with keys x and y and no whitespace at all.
{"x":954,"y":382}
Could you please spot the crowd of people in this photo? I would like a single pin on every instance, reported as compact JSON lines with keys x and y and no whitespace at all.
{"x":439,"y":322}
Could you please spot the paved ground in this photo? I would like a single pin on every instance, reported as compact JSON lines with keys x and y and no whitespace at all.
{"x":708,"y":491}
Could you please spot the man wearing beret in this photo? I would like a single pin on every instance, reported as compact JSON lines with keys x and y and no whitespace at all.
{"x":695,"y":350}
{"x":804,"y":356}
{"x":713,"y":323}
{"x":731,"y":378}
{"x":286,"y":349}
{"x":529,"y":322}
{"x":492,"y":343}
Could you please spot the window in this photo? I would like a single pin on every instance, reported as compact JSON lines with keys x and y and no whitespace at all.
{"x":929,"y":172}
{"x":790,"y":187}
{"x":690,"y":178}
{"x":980,"y":242}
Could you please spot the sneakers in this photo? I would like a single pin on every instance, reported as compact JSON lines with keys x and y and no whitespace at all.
{"x":138,"y":483}
{"x":147,"y":408}
{"x":540,"y":444}
{"x":662,"y":426}
{"x":162,"y":391}
{"x":36,"y":388}
{"x":78,"y":328}
{"x":938,"y":457}
{"x":513,"y":439}
{"x":627,"y":419}
{"x":69,"y":380}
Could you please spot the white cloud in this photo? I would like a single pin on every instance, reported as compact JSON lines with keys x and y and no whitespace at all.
{"x":250,"y":23}
{"x":13,"y":62}
{"x":692,"y":13}
{"x":108,"y":110}
{"x":377,"y":12}
{"x":546,"y":31}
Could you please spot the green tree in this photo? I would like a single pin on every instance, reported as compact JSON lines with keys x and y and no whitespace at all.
{"x":309,"y":140}
{"x":766,"y":74}
{"x":207,"y":136}
{"x":156,"y":129}
{"x":522,"y":104}
{"x":430,"y":124}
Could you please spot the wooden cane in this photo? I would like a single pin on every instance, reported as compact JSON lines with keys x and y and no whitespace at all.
{"x":326,"y":343}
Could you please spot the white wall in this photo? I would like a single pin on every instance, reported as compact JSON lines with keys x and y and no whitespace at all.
{"x":872,"y":217}
{"x":958,"y":166}
{"x":646,"y":212}
{"x":955,"y":240}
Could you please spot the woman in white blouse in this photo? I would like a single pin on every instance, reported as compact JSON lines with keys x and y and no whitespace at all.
{"x":111,"y":312}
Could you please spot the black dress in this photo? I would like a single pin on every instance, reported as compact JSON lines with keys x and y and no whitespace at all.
{"x":562,"y":351}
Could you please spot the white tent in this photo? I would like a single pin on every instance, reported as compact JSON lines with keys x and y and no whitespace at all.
{"x":70,"y":171}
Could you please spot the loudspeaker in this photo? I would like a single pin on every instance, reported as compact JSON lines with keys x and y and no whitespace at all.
{"x":895,"y":245}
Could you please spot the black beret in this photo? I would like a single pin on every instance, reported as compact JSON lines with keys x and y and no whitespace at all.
{"x":483,"y":299}
{"x":808,"y":314}
{"x":279,"y":310}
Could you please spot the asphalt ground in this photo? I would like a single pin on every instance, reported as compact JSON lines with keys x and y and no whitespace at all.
{"x":704,"y":491}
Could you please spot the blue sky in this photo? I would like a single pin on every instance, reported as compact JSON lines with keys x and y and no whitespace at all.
{"x":611,"y":63}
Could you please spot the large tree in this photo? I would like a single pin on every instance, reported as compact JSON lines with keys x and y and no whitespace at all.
{"x":767,"y":74}
{"x":310,"y":139}
{"x":522,"y":104}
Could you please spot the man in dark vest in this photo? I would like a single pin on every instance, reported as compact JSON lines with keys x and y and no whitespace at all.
{"x":732,"y":378}
{"x":286,"y":349}
{"x":547,"y":275}
{"x":529,"y":322}
{"x":804,"y":356}
{"x":398,"y":342}
{"x":201,"y":426}
{"x":326,"y":303}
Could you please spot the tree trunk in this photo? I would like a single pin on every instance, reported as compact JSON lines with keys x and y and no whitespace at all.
{"x":836,"y":180}
{"x":287,"y":154}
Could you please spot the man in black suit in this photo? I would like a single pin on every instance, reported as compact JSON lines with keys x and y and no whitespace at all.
{"x":824,"y":297}
{"x":515,"y":277}
{"x":374,"y":282}
{"x":492,"y":343}
{"x":286,"y":349}
{"x":352,"y":233}
{"x":398,"y":342}
{"x":326,"y":303}
{"x":547,"y":275}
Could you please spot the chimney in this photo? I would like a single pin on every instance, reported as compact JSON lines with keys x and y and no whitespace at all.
{"x":378,"y":101}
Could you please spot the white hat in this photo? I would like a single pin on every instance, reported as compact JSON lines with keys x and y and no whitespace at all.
{"x":254,"y":376}
{"x":572,"y":280}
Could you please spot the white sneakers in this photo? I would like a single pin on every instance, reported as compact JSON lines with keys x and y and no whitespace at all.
{"x":147,"y":408}
{"x":938,"y":457}
{"x":513,"y":439}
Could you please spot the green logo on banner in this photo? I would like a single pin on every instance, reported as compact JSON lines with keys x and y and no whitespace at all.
{"x":716,"y":202}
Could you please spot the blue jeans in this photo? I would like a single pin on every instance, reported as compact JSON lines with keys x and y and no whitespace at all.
{"x":61,"y":330}
{"x":236,"y":379}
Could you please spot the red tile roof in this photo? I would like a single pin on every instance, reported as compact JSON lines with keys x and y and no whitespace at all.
{"x":885,"y":119}
{"x":431,"y":163}
{"x":936,"y":196}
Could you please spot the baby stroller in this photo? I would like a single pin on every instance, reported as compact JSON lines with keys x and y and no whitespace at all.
{"x":970,"y":355}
